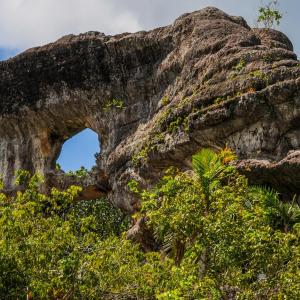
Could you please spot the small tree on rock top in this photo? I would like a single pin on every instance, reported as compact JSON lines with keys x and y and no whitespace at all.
{"x":269,"y":15}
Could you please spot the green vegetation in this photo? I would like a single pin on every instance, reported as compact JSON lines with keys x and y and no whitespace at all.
{"x":223,"y":235}
{"x":165,"y":100}
{"x":271,"y":58}
{"x":57,"y":167}
{"x":268,"y":58}
{"x":179,"y":123}
{"x":186,"y":124}
{"x":240,"y":66}
{"x":259,"y":74}
{"x":219,"y":100}
{"x":184,"y":101}
{"x":164,"y":116}
{"x":82,"y":172}
{"x":175,"y":125}
{"x":141,"y":157}
{"x":218,"y":238}
{"x":269,"y":15}
{"x":46,"y":241}
{"x":113,"y":103}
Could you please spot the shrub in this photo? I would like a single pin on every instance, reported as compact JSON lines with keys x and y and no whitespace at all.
{"x":269,"y":15}
{"x":218,"y":229}
{"x":113,"y":103}
{"x":45,"y":239}
{"x":218,"y":238}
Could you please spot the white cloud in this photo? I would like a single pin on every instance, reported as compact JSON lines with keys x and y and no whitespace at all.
{"x":27,"y":23}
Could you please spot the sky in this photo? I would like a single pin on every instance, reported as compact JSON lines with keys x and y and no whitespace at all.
{"x":29,"y":23}
{"x":79,"y":151}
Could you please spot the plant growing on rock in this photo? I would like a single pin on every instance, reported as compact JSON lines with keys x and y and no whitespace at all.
{"x":165,"y":100}
{"x":219,"y":100}
{"x":113,"y":103}
{"x":82,"y":172}
{"x":240,"y":66}
{"x":269,"y":15}
{"x":141,"y":156}
{"x":260,"y":75}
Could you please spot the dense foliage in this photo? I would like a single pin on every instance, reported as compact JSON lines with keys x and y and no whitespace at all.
{"x":219,"y":238}
{"x":45,"y":240}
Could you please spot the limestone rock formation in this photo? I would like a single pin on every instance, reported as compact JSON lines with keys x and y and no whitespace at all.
{"x":155,"y":98}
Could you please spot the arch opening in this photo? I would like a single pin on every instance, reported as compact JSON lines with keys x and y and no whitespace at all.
{"x":79,"y":152}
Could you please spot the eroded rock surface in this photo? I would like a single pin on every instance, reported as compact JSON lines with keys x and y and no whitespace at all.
{"x":205,"y":81}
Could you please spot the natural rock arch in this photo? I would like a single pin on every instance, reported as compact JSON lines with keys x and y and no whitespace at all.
{"x":206,"y":80}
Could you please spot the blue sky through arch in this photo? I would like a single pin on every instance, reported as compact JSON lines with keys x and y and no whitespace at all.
{"x":79,"y":151}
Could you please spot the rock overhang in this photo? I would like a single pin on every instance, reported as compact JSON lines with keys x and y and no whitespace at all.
{"x":207,"y":80}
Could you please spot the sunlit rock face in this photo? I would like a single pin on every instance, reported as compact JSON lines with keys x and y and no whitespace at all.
{"x":155,"y":98}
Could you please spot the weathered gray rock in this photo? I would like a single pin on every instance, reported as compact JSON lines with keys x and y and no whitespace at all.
{"x":206,"y":81}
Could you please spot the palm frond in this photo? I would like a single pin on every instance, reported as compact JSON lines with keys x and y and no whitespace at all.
{"x":207,"y":167}
{"x":169,"y":242}
{"x":271,"y":197}
{"x":281,"y":215}
{"x":207,"y":164}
